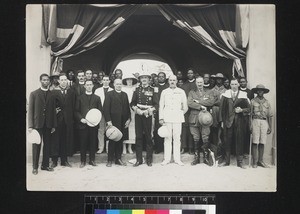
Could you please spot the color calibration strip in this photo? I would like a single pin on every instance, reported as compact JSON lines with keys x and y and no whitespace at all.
{"x":150,"y":211}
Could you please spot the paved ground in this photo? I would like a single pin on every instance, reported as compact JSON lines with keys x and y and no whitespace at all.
{"x":171,"y":177}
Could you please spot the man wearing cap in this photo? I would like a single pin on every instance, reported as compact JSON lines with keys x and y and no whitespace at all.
{"x":200,"y":99}
{"x":116,"y":113}
{"x":101,"y":92}
{"x":216,"y":128}
{"x":144,"y":102}
{"x":243,"y":87}
{"x":234,"y":106}
{"x":261,"y":124}
{"x":62,"y":144}
{"x":42,"y":117}
{"x":162,"y":85}
{"x":187,"y":142}
{"x":172,"y":107}
{"x":87,"y":134}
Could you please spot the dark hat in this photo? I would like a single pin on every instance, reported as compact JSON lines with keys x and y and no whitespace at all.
{"x":134,"y":80}
{"x":260,"y":87}
{"x":218,"y":76}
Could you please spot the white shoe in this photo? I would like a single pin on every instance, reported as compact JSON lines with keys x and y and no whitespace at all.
{"x":164,"y":163}
{"x":180,"y":163}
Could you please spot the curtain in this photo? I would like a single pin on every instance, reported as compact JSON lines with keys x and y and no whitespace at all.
{"x":221,"y":28}
{"x":73,"y":29}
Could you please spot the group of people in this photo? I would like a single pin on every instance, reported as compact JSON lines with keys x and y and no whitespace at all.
{"x":206,"y":113}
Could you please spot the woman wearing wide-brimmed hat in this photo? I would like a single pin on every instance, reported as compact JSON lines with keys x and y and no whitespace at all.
{"x":261,"y":124}
{"x":129,"y":85}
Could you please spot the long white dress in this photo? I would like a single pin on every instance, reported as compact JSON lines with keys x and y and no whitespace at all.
{"x":131,"y":129}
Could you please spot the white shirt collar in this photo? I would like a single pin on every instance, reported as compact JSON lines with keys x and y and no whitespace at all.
{"x":191,"y":80}
{"x":162,"y":83}
{"x":43,"y":89}
{"x":81,"y":83}
{"x":88,"y":93}
{"x":243,"y":89}
{"x":118,"y":91}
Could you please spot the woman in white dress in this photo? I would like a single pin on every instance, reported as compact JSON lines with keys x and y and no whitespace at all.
{"x":129,"y":86}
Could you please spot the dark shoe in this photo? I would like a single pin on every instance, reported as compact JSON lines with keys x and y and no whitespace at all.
{"x":262,"y":164}
{"x":190,"y":151}
{"x":120,"y":162}
{"x":67,"y":164}
{"x":82,"y":165}
{"x":223,"y":164}
{"x":49,"y":169}
{"x":92,"y":163}
{"x":241,"y":165}
{"x":35,"y":171}
{"x":149,"y":163}
{"x":54,"y":164}
{"x":109,"y":164}
{"x":137,"y":164}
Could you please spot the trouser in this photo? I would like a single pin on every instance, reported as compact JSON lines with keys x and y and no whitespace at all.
{"x":143,"y":125}
{"x":198,"y":133}
{"x":101,"y":134}
{"x":88,"y":140}
{"x":175,"y":130}
{"x":114,"y":150}
{"x":45,"y":134}
{"x":159,"y":142}
{"x":231,"y":136}
{"x":186,"y":137}
{"x":62,"y":143}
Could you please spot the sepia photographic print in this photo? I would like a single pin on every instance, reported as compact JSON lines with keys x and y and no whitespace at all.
{"x":151,"y":97}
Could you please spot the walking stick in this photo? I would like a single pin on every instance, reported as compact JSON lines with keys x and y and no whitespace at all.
{"x":250,"y":152}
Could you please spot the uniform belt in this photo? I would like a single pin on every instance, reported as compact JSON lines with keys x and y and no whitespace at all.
{"x":259,"y":118}
{"x":143,"y":107}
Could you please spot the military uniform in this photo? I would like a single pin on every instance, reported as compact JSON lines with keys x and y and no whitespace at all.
{"x":144,"y":102}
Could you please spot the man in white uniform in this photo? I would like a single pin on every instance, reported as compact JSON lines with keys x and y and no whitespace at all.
{"x":172,"y":107}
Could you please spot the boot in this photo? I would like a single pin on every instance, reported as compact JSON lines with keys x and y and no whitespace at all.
{"x":196,"y":158}
{"x":254,"y":155}
{"x":261,"y":148}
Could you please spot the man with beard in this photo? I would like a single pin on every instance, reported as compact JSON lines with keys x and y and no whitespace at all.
{"x":234,"y":107}
{"x":62,"y":143}
{"x":186,"y":136}
{"x":118,"y":74}
{"x":87,"y":134}
{"x":144,"y":102}
{"x":200,"y":99}
{"x":158,"y":141}
{"x":42,"y":117}
{"x":116,"y":113}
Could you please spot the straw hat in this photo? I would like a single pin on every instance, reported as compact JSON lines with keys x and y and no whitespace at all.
{"x":114,"y":134}
{"x":260,"y":87}
{"x":130,"y":76}
{"x":93,"y":117}
{"x":34,"y":137}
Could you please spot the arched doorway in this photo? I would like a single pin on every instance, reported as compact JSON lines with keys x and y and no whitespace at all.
{"x":152,"y":63}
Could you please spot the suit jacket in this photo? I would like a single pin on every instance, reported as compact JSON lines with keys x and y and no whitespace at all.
{"x":187,"y":87}
{"x":100,"y":93}
{"x":116,"y":109}
{"x":83,"y":105}
{"x":250,"y":95}
{"x":78,"y":89}
{"x":227,"y":113}
{"x":41,"y":111}
{"x":66,"y":104}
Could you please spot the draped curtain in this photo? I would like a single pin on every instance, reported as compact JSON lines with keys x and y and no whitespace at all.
{"x":73,"y":29}
{"x":224,"y":29}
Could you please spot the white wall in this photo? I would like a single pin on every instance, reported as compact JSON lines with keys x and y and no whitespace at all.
{"x":261,"y":56}
{"x":37,"y":57}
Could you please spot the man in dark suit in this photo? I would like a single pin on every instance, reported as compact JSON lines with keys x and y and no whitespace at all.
{"x":234,"y":106}
{"x":162,"y":85}
{"x":62,"y":143}
{"x":187,"y":142}
{"x":87,"y":134}
{"x":116,"y":113}
{"x":42,"y":117}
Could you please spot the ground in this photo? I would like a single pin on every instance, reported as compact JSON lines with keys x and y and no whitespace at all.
{"x":171,"y":177}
